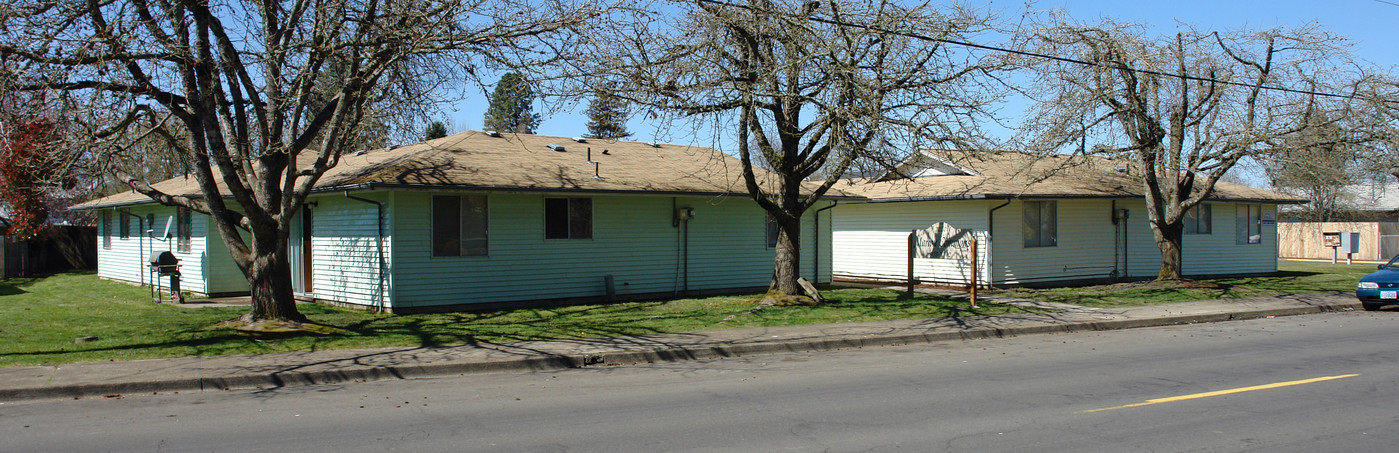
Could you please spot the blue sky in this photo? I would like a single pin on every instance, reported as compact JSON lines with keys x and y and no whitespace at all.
{"x":1370,"y":24}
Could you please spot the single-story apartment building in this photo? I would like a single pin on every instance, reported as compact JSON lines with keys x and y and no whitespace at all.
{"x":478,"y":220}
{"x":1038,"y":221}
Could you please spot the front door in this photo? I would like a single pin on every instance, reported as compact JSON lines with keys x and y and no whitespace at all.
{"x":306,"y":249}
{"x":299,"y":253}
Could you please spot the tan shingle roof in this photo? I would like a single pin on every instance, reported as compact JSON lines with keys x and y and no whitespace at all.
{"x":475,"y":160}
{"x":1010,"y":174}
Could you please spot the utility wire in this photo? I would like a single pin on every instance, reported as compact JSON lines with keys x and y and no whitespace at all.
{"x":1045,"y":56}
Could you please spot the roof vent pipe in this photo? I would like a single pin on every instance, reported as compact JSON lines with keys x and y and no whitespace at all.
{"x":596,"y":173}
{"x":590,"y":155}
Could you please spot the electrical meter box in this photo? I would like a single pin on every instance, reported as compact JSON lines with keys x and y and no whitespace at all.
{"x":1350,"y":243}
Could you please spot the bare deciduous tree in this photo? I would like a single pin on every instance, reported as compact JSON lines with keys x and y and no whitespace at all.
{"x":1377,"y":121}
{"x":1317,"y":164}
{"x":806,"y":89}
{"x":259,"y":99}
{"x":1184,"y":109}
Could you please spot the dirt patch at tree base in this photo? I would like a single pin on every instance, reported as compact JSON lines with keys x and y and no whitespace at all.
{"x":277,"y":327}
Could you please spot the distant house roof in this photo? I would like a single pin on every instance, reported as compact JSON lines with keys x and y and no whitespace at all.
{"x":1370,"y":201}
{"x":1379,"y":197}
{"x":952,"y":175}
{"x":475,"y":160}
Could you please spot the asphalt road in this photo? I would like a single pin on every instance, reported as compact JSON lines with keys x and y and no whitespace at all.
{"x":1305,"y":383}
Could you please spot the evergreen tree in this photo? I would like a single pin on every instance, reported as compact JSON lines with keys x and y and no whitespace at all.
{"x":511,"y":107}
{"x":435,"y":130}
{"x":607,"y":116}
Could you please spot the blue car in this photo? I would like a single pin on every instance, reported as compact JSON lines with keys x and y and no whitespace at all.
{"x":1380,"y":287}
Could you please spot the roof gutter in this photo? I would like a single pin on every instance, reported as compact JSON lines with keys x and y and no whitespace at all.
{"x":816,"y":260}
{"x":990,"y":227}
{"x":997,"y":196}
{"x":506,"y":189}
{"x":379,"y":245}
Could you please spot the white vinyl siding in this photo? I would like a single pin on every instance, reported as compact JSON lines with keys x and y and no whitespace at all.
{"x":1086,"y":237}
{"x":1083,"y":244}
{"x":205,"y":268}
{"x":871,"y":241}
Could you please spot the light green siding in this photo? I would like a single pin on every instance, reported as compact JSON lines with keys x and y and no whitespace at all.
{"x":722,"y":248}
{"x":345,"y":262}
{"x":633,"y":240}
{"x":1217,"y":253}
{"x":222,"y":276}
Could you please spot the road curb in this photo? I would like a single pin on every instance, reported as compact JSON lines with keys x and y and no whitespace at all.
{"x":622,"y":358}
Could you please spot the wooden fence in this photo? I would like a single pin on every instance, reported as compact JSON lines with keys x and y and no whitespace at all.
{"x":1378,"y":240}
{"x":56,"y":249}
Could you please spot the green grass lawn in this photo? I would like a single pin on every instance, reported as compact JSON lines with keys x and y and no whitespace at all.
{"x":1292,"y":278}
{"x":41,"y":317}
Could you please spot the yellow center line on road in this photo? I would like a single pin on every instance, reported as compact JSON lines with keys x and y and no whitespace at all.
{"x":1222,"y":392}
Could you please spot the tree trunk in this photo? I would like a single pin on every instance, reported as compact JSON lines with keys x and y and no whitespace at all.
{"x":269,"y":278}
{"x":1168,"y":239}
{"x":785,"y":265}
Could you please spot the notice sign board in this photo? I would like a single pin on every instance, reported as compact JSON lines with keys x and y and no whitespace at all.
{"x":1268,"y":219}
{"x":1331,"y":239}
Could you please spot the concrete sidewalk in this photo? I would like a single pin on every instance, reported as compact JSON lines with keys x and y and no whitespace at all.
{"x":197,"y":374}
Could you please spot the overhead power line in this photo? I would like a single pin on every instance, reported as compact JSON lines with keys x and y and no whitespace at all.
{"x":973,"y":45}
